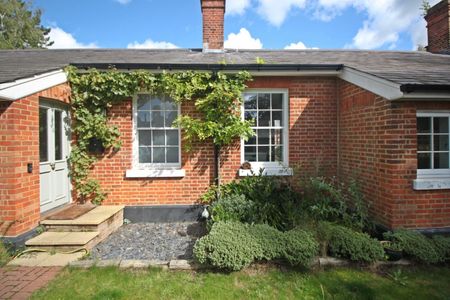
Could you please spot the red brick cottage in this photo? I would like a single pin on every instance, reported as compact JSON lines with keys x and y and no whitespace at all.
{"x":382,"y":117}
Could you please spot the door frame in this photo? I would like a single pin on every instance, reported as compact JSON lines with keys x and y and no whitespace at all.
{"x":49,"y":103}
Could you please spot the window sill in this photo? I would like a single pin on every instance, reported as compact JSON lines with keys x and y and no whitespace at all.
{"x":155,"y":173}
{"x":431,"y":184}
{"x":267,"y":172}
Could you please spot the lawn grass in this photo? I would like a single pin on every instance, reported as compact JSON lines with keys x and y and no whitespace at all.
{"x":343,"y":283}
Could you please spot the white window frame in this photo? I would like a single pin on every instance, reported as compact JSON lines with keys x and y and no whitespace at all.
{"x":152,"y":169}
{"x":432,"y":179}
{"x":270,"y":168}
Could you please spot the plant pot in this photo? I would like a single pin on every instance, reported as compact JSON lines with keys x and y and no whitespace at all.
{"x":392,"y":254}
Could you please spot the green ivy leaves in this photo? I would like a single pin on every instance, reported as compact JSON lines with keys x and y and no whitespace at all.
{"x":216,"y":96}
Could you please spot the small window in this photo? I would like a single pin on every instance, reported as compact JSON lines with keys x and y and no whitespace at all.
{"x":157,"y":141}
{"x":433,"y":153}
{"x":267,"y":110}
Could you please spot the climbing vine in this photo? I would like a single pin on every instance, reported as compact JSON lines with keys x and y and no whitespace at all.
{"x":216,"y":96}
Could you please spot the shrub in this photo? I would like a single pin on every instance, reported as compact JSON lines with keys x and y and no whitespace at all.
{"x":442,"y":246}
{"x":415,"y":244}
{"x":348,"y":243}
{"x":326,"y":200}
{"x":270,"y":239}
{"x":231,"y":208}
{"x":300,"y":247}
{"x":4,"y":255}
{"x":228,"y":246}
{"x":272,"y":201}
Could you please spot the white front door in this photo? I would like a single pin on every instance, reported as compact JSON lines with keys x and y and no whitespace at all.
{"x":54,"y":132}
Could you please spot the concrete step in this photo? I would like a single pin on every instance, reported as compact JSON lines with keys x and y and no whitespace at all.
{"x":64,"y":241}
{"x":104,"y":219}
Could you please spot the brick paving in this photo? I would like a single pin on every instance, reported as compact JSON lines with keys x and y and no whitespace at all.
{"x":21,"y":282}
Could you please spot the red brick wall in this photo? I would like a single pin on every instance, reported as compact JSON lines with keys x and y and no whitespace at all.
{"x":378,"y":145}
{"x":19,"y":145}
{"x":213,"y":21}
{"x":438,"y":20}
{"x":312,"y":146}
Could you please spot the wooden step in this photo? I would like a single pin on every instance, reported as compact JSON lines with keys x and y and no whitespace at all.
{"x":64,"y":241}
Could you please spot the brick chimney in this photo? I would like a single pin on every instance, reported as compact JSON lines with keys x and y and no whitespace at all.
{"x":213,"y":18}
{"x":438,"y":19}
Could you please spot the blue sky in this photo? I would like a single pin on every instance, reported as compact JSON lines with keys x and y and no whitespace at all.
{"x":268,"y":24}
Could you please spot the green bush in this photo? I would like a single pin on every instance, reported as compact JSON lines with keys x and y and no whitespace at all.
{"x":270,"y":200}
{"x":327,"y":200}
{"x":442,"y":246}
{"x":347,"y":243}
{"x":270,"y":239}
{"x":4,"y":255}
{"x":231,"y":208}
{"x":300,"y":247}
{"x":228,"y":246}
{"x":415,"y":244}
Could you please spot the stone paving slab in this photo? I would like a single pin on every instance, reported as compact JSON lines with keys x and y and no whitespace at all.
{"x":62,"y":239}
{"x":93,"y":217}
{"x":17,"y":282}
{"x":45,"y":259}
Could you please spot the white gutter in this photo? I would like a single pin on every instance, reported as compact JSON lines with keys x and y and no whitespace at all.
{"x":21,"y":88}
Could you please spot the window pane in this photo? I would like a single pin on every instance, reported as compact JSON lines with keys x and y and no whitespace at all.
{"x":58,"y":135}
{"x":277,"y":101}
{"x":441,"y":143}
{"x":250,"y":101}
{"x":440,"y":125}
{"x":143,"y":119}
{"x":252,"y":140}
{"x":172,"y":137}
{"x":157,"y":119}
{"x":264,"y":118}
{"x":263,"y":136}
{"x":43,"y":135}
{"x":172,"y":154}
{"x":424,"y":160}
{"x":423,"y":125}
{"x":170,"y":116}
{"x":277,"y":136}
{"x":250,"y":154}
{"x":158,"y":155}
{"x":263,"y":101}
{"x":145,"y":138}
{"x":441,"y":160}
{"x":277,"y":118}
{"x":263,"y":153}
{"x":424,"y":142}
{"x":250,"y":116}
{"x":158,"y":138}
{"x":145,"y":154}
{"x":156,"y":104}
{"x":143,"y":102}
{"x":277,"y":153}
{"x":169,"y":104}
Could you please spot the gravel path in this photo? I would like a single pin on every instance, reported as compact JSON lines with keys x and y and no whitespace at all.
{"x":160,"y":241}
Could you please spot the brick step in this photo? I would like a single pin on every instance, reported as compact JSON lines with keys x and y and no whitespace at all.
{"x":64,"y":241}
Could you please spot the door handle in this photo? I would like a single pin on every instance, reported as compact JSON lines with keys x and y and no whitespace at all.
{"x":52,"y":165}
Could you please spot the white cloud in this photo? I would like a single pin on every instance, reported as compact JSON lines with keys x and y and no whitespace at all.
{"x":242,"y":40}
{"x":124,"y":2}
{"x":298,"y":46}
{"x":276,"y":11}
{"x":150,"y":44}
{"x":65,"y":40}
{"x":236,"y":7}
{"x":386,"y":20}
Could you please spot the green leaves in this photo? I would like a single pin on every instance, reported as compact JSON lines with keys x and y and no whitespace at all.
{"x":217,"y":98}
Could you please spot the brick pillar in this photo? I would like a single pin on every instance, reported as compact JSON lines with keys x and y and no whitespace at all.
{"x":213,"y":18}
{"x":438,"y":20}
